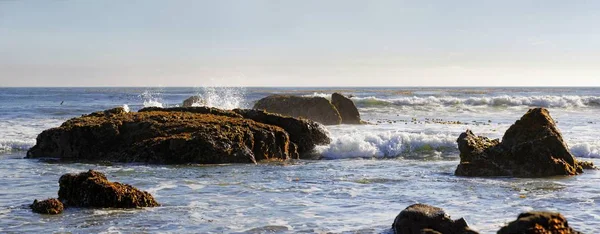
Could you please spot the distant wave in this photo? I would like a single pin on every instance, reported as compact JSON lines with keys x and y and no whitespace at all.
{"x":7,"y":145}
{"x":403,"y":144}
{"x":387,"y":144}
{"x":498,"y":101}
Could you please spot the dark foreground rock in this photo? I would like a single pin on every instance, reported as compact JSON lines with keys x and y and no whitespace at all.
{"x":92,"y":189}
{"x":318,"y":109}
{"x":532,"y":147}
{"x":346,"y":108}
{"x":179,"y":135}
{"x":192,"y":101}
{"x":538,"y":222}
{"x":305,"y":133}
{"x":48,"y":206}
{"x":422,"y":218}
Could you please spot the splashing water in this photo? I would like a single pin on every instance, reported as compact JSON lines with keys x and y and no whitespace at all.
{"x":223,"y":97}
{"x":151,"y":98}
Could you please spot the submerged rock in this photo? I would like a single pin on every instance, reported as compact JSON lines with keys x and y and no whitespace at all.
{"x":532,"y":147}
{"x":538,"y":222}
{"x":92,"y":189}
{"x":193,"y":101}
{"x":346,"y":108}
{"x":169,"y":136}
{"x":48,"y":206}
{"x":318,"y":109}
{"x":306,"y":134}
{"x":422,"y":218}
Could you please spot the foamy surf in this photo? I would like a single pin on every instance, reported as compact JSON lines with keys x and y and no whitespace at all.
{"x":387,"y":144}
{"x":7,"y":145}
{"x":497,"y":101}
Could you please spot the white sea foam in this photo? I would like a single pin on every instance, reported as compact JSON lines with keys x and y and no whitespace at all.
{"x":541,"y":101}
{"x":586,"y":150}
{"x":151,"y":98}
{"x":386,"y":144}
{"x":126,"y":108}
{"x":315,"y":94}
{"x":223,"y":97}
{"x":7,"y":145}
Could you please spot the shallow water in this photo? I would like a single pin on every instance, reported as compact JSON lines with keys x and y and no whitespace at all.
{"x":370,"y":173}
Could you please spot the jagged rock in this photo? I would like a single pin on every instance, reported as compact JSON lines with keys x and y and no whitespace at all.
{"x":538,"y":222}
{"x":193,"y":101}
{"x":532,"y":147}
{"x":318,"y":109}
{"x":169,"y":136}
{"x":422,"y":218}
{"x":305,"y":133}
{"x":92,"y":189}
{"x":48,"y":206}
{"x":346,"y":108}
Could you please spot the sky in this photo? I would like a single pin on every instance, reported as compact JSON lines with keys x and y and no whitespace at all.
{"x":299,"y":43}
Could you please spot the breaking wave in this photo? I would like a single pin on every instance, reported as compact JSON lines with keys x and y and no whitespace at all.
{"x":586,"y":150}
{"x":387,"y":144}
{"x":223,"y":97}
{"x":7,"y":145}
{"x":498,"y":101}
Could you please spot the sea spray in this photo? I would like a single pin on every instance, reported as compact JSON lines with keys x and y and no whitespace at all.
{"x":223,"y":97}
{"x":151,"y":98}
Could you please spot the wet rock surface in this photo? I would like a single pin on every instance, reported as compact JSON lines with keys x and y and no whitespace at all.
{"x":532,"y":147}
{"x":180,"y":135}
{"x":193,"y":101}
{"x":92,"y":189}
{"x":346,"y":108}
{"x":318,"y":109}
{"x":538,"y":222}
{"x":422,"y":218}
{"x":49,"y":206}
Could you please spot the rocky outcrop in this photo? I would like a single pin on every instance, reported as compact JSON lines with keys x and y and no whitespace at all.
{"x":48,"y":206}
{"x":304,"y":133}
{"x":92,"y":189}
{"x":180,"y":135}
{"x":538,"y":222}
{"x":318,"y":109}
{"x":532,"y":147}
{"x":421,"y":218}
{"x":193,"y":101}
{"x":346,"y":108}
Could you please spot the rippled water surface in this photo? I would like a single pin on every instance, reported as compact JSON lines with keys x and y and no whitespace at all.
{"x":369,"y":174}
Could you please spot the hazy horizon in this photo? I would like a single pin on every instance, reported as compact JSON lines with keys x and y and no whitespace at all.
{"x":266,"y":43}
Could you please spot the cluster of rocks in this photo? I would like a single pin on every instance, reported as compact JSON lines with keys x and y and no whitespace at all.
{"x":340,"y":110}
{"x":180,"y":135}
{"x":92,"y":189}
{"x":422,"y":218}
{"x":532,"y":147}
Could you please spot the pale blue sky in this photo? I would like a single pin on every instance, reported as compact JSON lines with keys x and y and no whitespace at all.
{"x":299,"y":43}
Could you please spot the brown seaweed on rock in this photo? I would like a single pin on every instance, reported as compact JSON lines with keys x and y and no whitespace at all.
{"x":532,"y":147}
{"x":538,"y":222}
{"x":92,"y":189}
{"x":422,"y":218}
{"x":49,"y":206}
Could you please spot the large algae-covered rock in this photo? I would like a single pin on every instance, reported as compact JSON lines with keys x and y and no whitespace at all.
{"x":532,"y":147}
{"x":422,"y":218}
{"x":92,"y":189}
{"x":48,"y":206}
{"x":305,"y":133}
{"x":185,"y":135}
{"x":538,"y":222}
{"x":318,"y":109}
{"x":346,"y":108}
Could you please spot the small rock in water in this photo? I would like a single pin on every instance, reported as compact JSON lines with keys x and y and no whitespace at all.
{"x":538,"y":222}
{"x":48,"y":206}
{"x":92,"y":189}
{"x":422,"y":218}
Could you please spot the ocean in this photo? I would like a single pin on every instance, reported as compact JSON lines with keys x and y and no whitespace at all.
{"x":367,"y":175}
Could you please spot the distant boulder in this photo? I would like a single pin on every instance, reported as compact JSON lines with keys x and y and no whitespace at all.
{"x":92,"y":189}
{"x":346,"y":108}
{"x":422,"y":218}
{"x":532,"y":147}
{"x":538,"y":222}
{"x":49,"y":206}
{"x":193,"y":101}
{"x":318,"y":109}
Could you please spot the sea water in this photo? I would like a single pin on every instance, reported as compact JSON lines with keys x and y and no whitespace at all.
{"x":366,"y":176}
